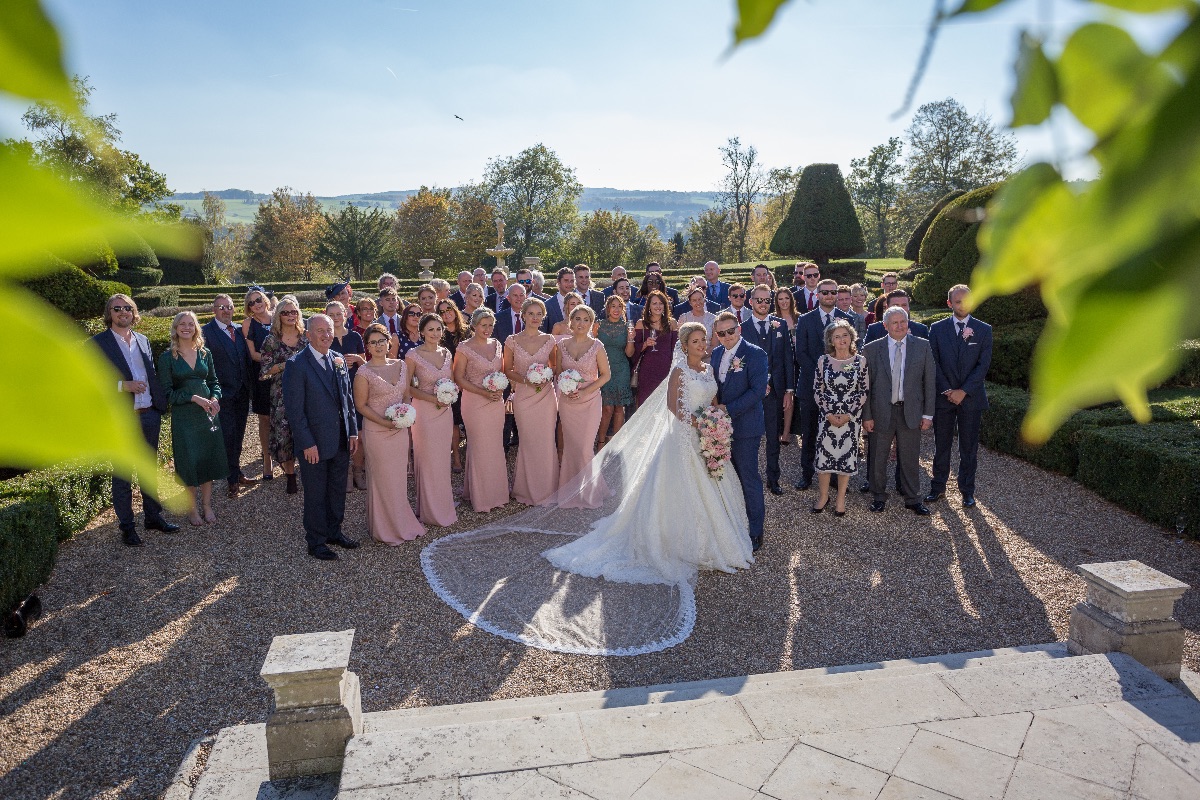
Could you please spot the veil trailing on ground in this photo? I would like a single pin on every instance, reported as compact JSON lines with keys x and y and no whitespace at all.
{"x":498,"y":579}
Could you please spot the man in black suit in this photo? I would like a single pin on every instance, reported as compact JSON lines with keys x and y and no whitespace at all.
{"x":499,"y":288}
{"x":624,"y":289}
{"x":459,"y":296}
{"x":129,"y":352}
{"x":962,"y":352}
{"x":320,"y":411}
{"x":231,"y":360}
{"x":592,"y":298}
{"x":768,"y":332}
{"x":806,"y":278}
{"x":896,"y":297}
{"x":810,"y":346}
{"x":654,"y":266}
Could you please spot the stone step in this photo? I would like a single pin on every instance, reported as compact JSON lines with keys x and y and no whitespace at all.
{"x":574,"y":702}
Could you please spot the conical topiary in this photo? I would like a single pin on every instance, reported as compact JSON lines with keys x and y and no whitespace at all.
{"x":821,"y":223}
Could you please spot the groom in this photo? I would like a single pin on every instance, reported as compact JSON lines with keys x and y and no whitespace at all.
{"x":742,"y":376}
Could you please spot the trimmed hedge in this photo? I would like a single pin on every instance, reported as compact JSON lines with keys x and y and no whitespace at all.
{"x":1012,"y":352}
{"x":74,"y":292}
{"x":156,"y":297}
{"x":37,"y":511}
{"x":821,"y":222}
{"x":844,"y":272}
{"x":140,"y":277}
{"x":100,"y":263}
{"x":138,"y":255}
{"x":912,"y":250}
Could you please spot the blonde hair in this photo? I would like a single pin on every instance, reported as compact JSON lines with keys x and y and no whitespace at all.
{"x":277,"y":322}
{"x":688,"y":328}
{"x":108,"y":309}
{"x":250,"y":296}
{"x":591,"y":312}
{"x":481,"y":313}
{"x":197,"y":337}
{"x":532,"y":301}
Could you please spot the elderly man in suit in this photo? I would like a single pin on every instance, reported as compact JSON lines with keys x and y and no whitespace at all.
{"x":962,"y":350}
{"x":768,"y":332}
{"x":320,"y":411}
{"x":232,"y":363}
{"x":900,"y":405}
{"x":810,"y":346}
{"x":129,"y":352}
{"x":459,"y":295}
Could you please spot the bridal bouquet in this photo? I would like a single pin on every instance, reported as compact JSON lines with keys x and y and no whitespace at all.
{"x":569,"y":380}
{"x":716,"y":439}
{"x":402,"y":415}
{"x":538,"y":376}
{"x":446,"y":391}
{"x":495,"y":381}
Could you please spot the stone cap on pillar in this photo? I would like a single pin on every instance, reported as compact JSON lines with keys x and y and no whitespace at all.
{"x":306,"y":669}
{"x":1130,"y":579}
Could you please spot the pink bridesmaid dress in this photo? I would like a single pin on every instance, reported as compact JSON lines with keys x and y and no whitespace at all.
{"x":389,"y":516}
{"x":431,"y":437}
{"x":535,"y":477}
{"x":486,"y":483}
{"x":580,"y":417}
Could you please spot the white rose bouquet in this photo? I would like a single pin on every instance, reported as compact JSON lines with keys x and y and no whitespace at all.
{"x":446,"y":392}
{"x":402,"y":415}
{"x":539,"y":375}
{"x":569,"y":380}
{"x":495,"y":381}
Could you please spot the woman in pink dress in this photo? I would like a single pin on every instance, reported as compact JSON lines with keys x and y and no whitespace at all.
{"x":380,"y":383}
{"x":535,"y":477}
{"x":580,"y":411}
{"x":434,"y":429}
{"x":486,"y":482}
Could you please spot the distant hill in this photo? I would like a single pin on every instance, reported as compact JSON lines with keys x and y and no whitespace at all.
{"x":667,"y":210}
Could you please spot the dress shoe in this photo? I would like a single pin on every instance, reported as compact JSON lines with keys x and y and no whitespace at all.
{"x":343,"y":542}
{"x":293,"y":487}
{"x":804,"y":484}
{"x":131,"y":539}
{"x":866,"y":487}
{"x":775,"y":487}
{"x":755,"y":544}
{"x":160,"y":524}
{"x":968,"y":501}
{"x":322,"y":552}
{"x":244,"y":481}
{"x":934,"y":496}
{"x":919,"y":509}
{"x":234,"y":491}
{"x":878,"y":506}
{"x":820,"y":508}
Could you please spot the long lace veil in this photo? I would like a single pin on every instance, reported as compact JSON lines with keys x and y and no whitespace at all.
{"x":498,"y":580}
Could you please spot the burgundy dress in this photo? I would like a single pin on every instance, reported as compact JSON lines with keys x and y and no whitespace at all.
{"x":485,"y":485}
{"x":390,"y":519}
{"x":535,"y":476}
{"x":432,"y":434}
{"x":652,"y":365}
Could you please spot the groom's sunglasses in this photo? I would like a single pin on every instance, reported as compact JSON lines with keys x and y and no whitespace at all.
{"x":726,"y":332}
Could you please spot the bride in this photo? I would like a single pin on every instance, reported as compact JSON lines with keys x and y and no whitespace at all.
{"x":623,"y":584}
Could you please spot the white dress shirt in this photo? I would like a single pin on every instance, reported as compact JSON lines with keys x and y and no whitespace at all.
{"x":132,"y":350}
{"x":893,"y":345}
{"x":727,"y":359}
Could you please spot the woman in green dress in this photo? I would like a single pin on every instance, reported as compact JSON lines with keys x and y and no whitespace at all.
{"x":614,"y":333}
{"x":190,"y":383}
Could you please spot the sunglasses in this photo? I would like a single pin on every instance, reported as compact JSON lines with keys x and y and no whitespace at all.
{"x":258,"y":301}
{"x":812,"y":274}
{"x":526,"y":281}
{"x":760,"y":300}
{"x":412,"y":313}
{"x":223,"y":308}
{"x":737,"y":296}
{"x":827,"y":291}
{"x":122,"y":308}
{"x":289,"y":313}
{"x":726,"y":333}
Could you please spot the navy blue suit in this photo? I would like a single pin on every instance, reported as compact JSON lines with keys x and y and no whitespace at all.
{"x":876,"y":331}
{"x":810,"y":346}
{"x":231,"y":361}
{"x":684,"y":307}
{"x":962,"y":363}
{"x":781,"y":364}
{"x":742,"y":393}
{"x":553,"y":313}
{"x":718,"y":293}
{"x":504,"y":323}
{"x":320,"y":411}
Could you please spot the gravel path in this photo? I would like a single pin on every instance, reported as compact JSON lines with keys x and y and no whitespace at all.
{"x":142,"y":651}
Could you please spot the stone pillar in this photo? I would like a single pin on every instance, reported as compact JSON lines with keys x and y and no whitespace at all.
{"x":1129,"y":609}
{"x":317,"y":703}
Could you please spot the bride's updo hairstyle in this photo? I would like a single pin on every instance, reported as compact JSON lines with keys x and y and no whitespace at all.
{"x":688,"y":328}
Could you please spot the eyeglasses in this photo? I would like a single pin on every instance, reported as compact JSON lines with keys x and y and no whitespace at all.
{"x":827,"y":291}
{"x":760,"y":300}
{"x":289,"y":313}
{"x":812,"y":274}
{"x":122,"y":308}
{"x":726,"y":333}
{"x":223,"y":308}
{"x":258,"y":301}
{"x":733,"y":296}
{"x":377,"y":342}
{"x":526,"y":281}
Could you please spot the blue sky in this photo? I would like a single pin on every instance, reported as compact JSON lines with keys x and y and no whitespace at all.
{"x":360,"y":95}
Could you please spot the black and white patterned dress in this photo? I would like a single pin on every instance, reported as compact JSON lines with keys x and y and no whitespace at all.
{"x":840,"y":388}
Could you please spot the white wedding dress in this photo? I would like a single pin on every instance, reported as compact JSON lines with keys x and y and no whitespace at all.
{"x":624,"y":583}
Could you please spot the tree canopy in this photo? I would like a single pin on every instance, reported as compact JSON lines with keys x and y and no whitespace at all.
{"x":354,"y":242}
{"x":536,"y":194}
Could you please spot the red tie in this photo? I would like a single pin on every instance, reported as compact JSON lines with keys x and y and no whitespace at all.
{"x":812,"y":303}
{"x":232,"y":336}
{"x":392,"y":325}
{"x":517,"y":323}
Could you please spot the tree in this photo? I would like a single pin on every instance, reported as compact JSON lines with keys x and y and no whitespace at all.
{"x":604,"y":239}
{"x":284,"y":237}
{"x":536,"y":195}
{"x":740,"y":189}
{"x":821,"y":223}
{"x":422,"y":229}
{"x":874,"y":185}
{"x":949,"y":149}
{"x":473,"y":228}
{"x":354,"y":241}
{"x":649,"y":246}
{"x":710,"y":237}
{"x":83,"y":149}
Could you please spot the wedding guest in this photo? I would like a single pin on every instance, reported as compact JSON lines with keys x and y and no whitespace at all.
{"x":287,"y":338}
{"x":349,"y":345}
{"x":768,"y":333}
{"x":535,"y":476}
{"x":962,"y":351}
{"x":656,"y":268}
{"x":129,"y":352}
{"x":479,"y":276}
{"x":190,"y":384}
{"x":581,"y":410}
{"x":387,"y":281}
{"x":473,"y":300}
{"x":556,"y":306}
{"x":653,"y":282}
{"x":231,"y":360}
{"x":623,"y":289}
{"x":698,"y":282}
{"x":342,"y":293}
{"x":583,"y":285}
{"x":762,"y":276}
{"x":844,"y":304}
{"x":562,"y":328}
{"x":499,"y":289}
{"x":615,"y":333}
{"x":797,"y":287}
{"x":456,"y":333}
{"x":858,"y":303}
{"x":410,"y":334}
{"x":717,"y":291}
{"x":807,"y":298}
{"x":840,"y":389}
{"x":433,"y":431}
{"x":272,"y":302}
{"x":381,"y":383}
{"x":539,"y":284}
{"x":364,"y":313}
{"x":485,"y":485}
{"x":525,"y":280}
{"x":256,"y":327}
{"x":810,"y":346}
{"x":785,"y":309}
{"x":617,"y":274}
{"x":738,"y":295}
{"x":898,"y":298}
{"x":888,"y":283}
{"x":389,"y":312}
{"x":441,"y":288}
{"x":459,"y":295}
{"x":508,"y":318}
{"x":698,"y":311}
{"x":653,"y":345}
{"x":427,"y":299}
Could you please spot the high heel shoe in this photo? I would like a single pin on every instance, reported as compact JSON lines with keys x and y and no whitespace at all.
{"x":292,"y":486}
{"x":819,"y":509}
{"x":837,"y":513}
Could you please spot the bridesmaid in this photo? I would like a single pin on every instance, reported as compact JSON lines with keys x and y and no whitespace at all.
{"x":380,"y":383}
{"x":256,"y":327}
{"x":580,"y":411}
{"x":535,"y":477}
{"x":486,"y":481}
{"x":431,"y":435}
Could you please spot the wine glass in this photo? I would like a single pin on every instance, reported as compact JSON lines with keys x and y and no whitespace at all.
{"x":654,"y":340}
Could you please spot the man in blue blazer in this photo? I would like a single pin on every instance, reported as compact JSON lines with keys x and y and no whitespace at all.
{"x":810,"y":346}
{"x":231,"y":361}
{"x":897,"y":297}
{"x":685,"y":305}
{"x":556,"y":302}
{"x":624,"y":289}
{"x":742,"y":378}
{"x":717,"y":291}
{"x":617,"y":274}
{"x":770,"y":333}
{"x":320,"y":411}
{"x":962,"y":351}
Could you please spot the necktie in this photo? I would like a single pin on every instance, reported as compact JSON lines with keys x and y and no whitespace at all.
{"x":897,"y":366}
{"x":392,"y":325}
{"x":762,"y":328}
{"x":517,"y":327}
{"x":828,"y":319}
{"x":233,"y":337}
{"x":960,"y":325}
{"x":811,"y":302}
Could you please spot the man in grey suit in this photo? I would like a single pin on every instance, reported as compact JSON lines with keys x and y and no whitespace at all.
{"x":899,"y":407}
{"x":320,"y":411}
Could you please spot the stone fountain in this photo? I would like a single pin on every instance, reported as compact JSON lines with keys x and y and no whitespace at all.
{"x":500,"y":252}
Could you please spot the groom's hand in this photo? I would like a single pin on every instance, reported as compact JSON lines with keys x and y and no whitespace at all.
{"x":869,"y":425}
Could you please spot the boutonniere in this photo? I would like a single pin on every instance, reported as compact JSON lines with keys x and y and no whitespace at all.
{"x":967,"y":332}
{"x":736,"y":364}
{"x":775,"y":324}
{"x":339,"y":364}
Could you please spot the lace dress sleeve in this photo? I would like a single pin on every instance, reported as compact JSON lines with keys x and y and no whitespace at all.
{"x":677,"y":390}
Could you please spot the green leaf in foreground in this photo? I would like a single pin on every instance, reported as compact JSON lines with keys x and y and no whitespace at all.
{"x":754,"y":17}
{"x":59,"y":402}
{"x":1037,"y":86}
{"x":976,"y":6}
{"x":31,"y":62}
